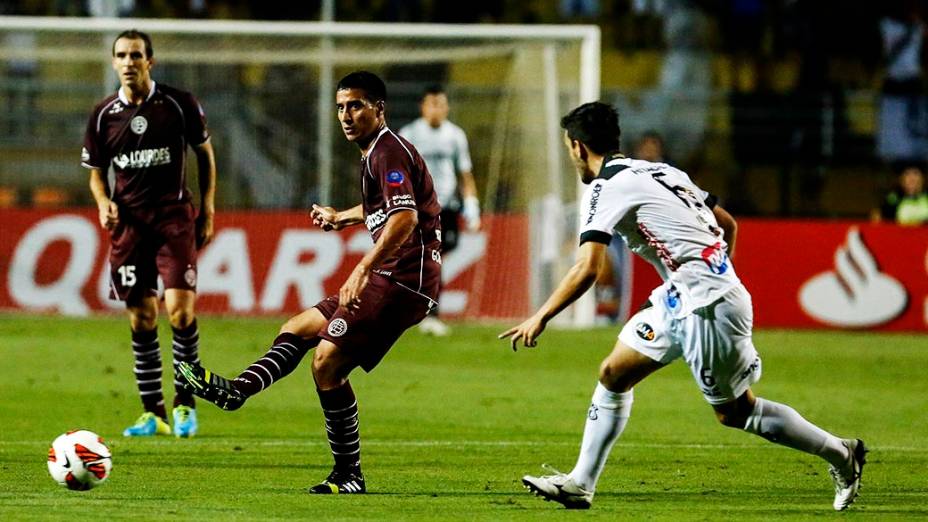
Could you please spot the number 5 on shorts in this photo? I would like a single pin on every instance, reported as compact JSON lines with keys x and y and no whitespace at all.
{"x":127,"y":273}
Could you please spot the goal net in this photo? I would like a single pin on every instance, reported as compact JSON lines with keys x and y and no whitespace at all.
{"x":268,"y":92}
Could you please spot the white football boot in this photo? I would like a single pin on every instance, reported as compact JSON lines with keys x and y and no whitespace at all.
{"x":847,"y":480}
{"x":559,"y":487}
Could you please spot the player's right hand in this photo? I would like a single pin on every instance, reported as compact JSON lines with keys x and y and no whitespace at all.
{"x":527,"y":332}
{"x":325,"y":218}
{"x":109,"y":215}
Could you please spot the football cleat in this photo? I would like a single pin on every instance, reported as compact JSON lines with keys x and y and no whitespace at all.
{"x":209,"y":386}
{"x":147,"y":425}
{"x":341,"y":482}
{"x":559,"y":487}
{"x":432,"y":325}
{"x":847,"y":480}
{"x":185,"y":421}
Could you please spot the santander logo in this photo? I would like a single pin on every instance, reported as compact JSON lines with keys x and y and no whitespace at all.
{"x":856,"y":294}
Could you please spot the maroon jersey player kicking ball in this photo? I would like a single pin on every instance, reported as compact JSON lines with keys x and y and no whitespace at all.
{"x":391,"y":289}
{"x":143,"y":131}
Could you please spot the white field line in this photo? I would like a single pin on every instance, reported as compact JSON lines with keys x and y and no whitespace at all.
{"x":442,"y":443}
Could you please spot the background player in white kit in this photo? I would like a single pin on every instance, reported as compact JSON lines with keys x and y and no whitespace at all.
{"x":701,"y":312}
{"x":447,"y":156}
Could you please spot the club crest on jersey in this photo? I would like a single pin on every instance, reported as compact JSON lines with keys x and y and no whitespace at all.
{"x":645,"y":331}
{"x":716,"y":258}
{"x":138,"y":125}
{"x":395,"y":178}
{"x":338,"y":327}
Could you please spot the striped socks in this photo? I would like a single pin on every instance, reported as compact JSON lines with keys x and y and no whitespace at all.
{"x":148,"y":371}
{"x":340,"y":408}
{"x":283,"y":357}
{"x":186,"y":348}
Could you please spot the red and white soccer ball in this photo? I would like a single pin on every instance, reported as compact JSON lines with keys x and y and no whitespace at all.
{"x":79,"y":460}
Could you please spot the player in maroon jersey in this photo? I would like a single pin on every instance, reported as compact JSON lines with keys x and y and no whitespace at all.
{"x":392,"y":288}
{"x":143,"y":131}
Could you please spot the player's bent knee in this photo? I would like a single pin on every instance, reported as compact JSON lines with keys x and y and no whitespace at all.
{"x":731,"y":419}
{"x":613,"y":377}
{"x":328,"y":366}
{"x":181,"y":318}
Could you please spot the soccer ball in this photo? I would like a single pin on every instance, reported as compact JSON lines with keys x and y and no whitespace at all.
{"x":79,"y":460}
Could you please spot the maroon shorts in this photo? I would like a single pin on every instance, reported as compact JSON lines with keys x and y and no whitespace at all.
{"x":149,"y":243}
{"x":386,"y":311}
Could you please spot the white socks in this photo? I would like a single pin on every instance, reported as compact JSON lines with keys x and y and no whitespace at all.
{"x":606,"y":418}
{"x":783,"y":425}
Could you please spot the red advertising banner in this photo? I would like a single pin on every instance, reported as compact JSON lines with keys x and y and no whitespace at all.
{"x":258,"y":263}
{"x":840,"y":274}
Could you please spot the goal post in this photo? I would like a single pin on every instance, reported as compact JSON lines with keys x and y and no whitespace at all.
{"x":267,"y":87}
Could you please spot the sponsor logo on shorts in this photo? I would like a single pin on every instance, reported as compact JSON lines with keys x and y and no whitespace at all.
{"x":593,"y":413}
{"x":338,"y":327}
{"x":190,"y":276}
{"x":139,"y":125}
{"x":645,"y":331}
{"x":85,"y":155}
{"x":751,"y":369}
{"x":395,"y":178}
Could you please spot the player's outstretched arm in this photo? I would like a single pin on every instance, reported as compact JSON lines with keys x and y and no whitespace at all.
{"x":327,"y":218}
{"x":577,"y":281}
{"x":206,"y":177}
{"x":729,"y":226}
{"x":108,"y":210}
{"x":396,"y":231}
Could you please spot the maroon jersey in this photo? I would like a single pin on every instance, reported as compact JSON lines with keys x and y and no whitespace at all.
{"x":394,"y":178}
{"x":146,"y":143}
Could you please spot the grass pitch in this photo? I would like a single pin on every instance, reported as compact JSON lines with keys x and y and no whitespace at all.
{"x":449,"y":426}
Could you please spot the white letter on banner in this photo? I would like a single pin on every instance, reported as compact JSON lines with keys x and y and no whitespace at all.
{"x":65,"y":293}
{"x":225,"y":268}
{"x":104,"y":283}
{"x":287,"y":270}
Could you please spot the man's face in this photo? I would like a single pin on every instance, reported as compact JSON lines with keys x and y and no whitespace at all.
{"x":577,"y":158}
{"x":434,"y":108}
{"x":359,"y":118}
{"x":131,"y":63}
{"x":912,"y":180}
{"x":650,"y":149}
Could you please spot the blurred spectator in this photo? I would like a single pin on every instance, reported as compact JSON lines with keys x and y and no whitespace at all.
{"x":903,"y":132}
{"x":907,"y":204}
{"x":650,"y":147}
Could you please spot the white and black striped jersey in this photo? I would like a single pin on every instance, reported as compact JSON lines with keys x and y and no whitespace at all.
{"x":666,"y":219}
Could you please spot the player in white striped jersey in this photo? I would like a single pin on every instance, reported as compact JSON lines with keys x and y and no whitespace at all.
{"x":701,"y":312}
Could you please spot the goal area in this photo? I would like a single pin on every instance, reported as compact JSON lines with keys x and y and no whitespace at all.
{"x":267,"y":89}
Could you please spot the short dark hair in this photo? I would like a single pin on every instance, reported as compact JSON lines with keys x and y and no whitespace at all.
{"x":596,"y":125}
{"x":135,"y":34}
{"x":373,"y":87}
{"x":433,"y":89}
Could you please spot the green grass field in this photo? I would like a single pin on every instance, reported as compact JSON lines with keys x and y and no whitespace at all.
{"x":449,"y":427}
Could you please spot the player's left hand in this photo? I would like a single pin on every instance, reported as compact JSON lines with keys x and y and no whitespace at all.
{"x":349,"y":295}
{"x":527,"y":332}
{"x":204,"y":227}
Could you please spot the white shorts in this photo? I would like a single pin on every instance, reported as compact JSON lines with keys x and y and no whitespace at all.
{"x":715,"y":341}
